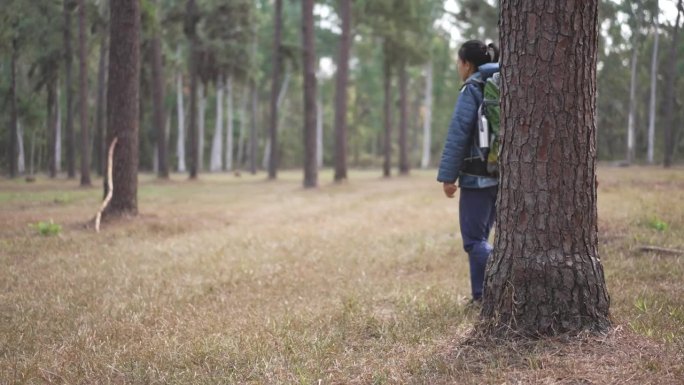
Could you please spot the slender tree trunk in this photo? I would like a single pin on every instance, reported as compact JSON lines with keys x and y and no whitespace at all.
{"x":52,"y":127}
{"x":654,"y":81}
{"x":281,"y":96}
{"x":158,"y":93}
{"x":545,"y":276}
{"x":427,"y":120}
{"x":319,"y":133}
{"x":123,"y":94}
{"x":100,"y":117}
{"x":13,"y":128}
{"x":309,"y":60}
{"x":672,"y":86}
{"x":68,"y":57}
{"x":342,"y":80}
{"x":217,"y":140}
{"x":180,"y":142}
{"x":253,"y":127}
{"x":21,"y":156}
{"x":387,"y":165}
{"x":244,"y":111}
{"x":275,"y":82}
{"x":229,"y":123}
{"x":201,"y":124}
{"x":192,"y":128}
{"x":58,"y":133}
{"x":191,"y":20}
{"x":632,"y":106}
{"x":83,"y":95}
{"x":403,"y":121}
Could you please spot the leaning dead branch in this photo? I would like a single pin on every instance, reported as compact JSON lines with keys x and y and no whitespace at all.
{"x":110,"y":185}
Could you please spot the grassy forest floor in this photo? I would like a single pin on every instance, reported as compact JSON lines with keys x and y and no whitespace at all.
{"x":239,"y":280}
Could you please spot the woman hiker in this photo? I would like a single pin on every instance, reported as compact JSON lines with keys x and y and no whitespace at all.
{"x":462,"y":161}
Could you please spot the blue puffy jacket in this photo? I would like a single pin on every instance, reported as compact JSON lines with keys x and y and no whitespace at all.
{"x":460,"y":143}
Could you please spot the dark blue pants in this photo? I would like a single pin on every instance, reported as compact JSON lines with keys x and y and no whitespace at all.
{"x":477,"y":211}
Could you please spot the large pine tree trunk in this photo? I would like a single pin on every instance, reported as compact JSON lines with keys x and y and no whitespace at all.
{"x":275,"y":83}
{"x":545,"y":276}
{"x":654,"y":82}
{"x":122,"y":105}
{"x":158,"y":107}
{"x":83,"y":95}
{"x":632,"y":106}
{"x":342,"y":79}
{"x":387,"y":164}
{"x":180,"y":140}
{"x":216,"y":163}
{"x":403,"y":121}
{"x":427,"y":120}
{"x":309,"y":60}
{"x":13,"y":122}
{"x":672,"y":86}
{"x":69,"y":127}
{"x":100,"y":117}
{"x":229,"y":123}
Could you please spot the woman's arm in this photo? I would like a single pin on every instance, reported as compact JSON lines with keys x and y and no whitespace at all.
{"x":460,"y":133}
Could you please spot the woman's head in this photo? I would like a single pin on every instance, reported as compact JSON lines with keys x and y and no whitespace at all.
{"x":473,"y":54}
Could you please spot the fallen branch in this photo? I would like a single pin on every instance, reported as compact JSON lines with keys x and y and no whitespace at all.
{"x":663,"y":250}
{"x":110,"y":185}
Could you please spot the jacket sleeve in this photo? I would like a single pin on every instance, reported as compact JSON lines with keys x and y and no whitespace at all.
{"x":459,"y":137}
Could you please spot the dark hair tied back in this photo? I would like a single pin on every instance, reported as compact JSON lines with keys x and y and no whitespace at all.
{"x":476,"y":52}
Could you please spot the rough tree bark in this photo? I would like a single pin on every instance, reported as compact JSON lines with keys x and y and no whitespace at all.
{"x":69,"y":127}
{"x":387,"y":164}
{"x":158,"y":107}
{"x":545,"y":276}
{"x":672,"y":86}
{"x":309,"y":60}
{"x":83,"y":95}
{"x":275,"y":83}
{"x":342,"y":79}
{"x":403,"y":121}
{"x":123,"y":94}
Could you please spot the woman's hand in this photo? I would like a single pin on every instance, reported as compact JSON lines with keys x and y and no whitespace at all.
{"x":449,"y":189}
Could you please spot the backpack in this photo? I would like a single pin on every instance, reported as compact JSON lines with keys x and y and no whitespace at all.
{"x":489,"y":124}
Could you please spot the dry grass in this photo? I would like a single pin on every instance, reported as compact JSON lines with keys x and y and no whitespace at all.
{"x":238,"y":280}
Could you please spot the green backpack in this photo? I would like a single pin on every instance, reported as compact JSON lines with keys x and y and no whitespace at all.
{"x":489,"y":124}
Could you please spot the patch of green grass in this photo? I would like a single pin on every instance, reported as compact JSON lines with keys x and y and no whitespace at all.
{"x":47,"y":228}
{"x":658,"y":224}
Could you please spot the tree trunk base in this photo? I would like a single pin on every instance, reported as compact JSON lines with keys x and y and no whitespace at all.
{"x":545,"y":295}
